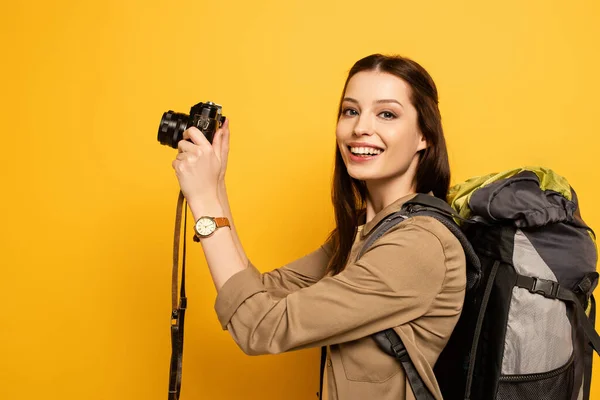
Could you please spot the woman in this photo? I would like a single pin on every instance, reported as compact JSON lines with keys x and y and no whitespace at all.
{"x":390,"y":146}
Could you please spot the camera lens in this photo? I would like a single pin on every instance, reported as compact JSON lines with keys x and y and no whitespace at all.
{"x":172,"y":126}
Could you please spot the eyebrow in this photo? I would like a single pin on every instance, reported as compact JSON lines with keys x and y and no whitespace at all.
{"x":351,"y":100}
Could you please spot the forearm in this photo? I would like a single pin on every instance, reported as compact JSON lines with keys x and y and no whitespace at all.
{"x":220,"y":249}
{"x":224,"y":200}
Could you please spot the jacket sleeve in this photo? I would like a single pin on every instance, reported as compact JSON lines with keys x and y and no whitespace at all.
{"x":299,"y":274}
{"x":394,"y":282}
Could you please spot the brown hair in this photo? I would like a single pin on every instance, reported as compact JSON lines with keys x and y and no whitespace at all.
{"x":433,"y":170}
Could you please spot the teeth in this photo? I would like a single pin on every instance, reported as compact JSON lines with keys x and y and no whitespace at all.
{"x":365,"y":150}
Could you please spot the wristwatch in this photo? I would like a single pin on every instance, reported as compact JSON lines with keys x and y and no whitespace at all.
{"x":205,"y":226}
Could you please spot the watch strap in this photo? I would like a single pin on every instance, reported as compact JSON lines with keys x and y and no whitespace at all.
{"x":222,"y":221}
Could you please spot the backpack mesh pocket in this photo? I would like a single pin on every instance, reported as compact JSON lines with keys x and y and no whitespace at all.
{"x":552,"y":385}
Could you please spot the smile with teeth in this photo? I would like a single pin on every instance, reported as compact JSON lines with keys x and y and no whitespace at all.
{"x":365,"y":151}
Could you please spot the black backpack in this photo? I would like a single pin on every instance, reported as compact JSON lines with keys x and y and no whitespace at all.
{"x":531,"y":269}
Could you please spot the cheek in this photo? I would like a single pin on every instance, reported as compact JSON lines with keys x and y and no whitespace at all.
{"x":400,"y":144}
{"x":340,"y":132}
{"x":341,"y":137}
{"x":344,"y":128}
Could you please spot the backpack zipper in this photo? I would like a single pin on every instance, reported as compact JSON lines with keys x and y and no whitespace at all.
{"x":538,"y":376}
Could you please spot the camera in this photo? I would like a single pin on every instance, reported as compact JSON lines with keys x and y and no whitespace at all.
{"x":204,"y":116}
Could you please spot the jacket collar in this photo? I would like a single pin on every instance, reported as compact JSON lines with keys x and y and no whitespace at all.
{"x":390,"y":209}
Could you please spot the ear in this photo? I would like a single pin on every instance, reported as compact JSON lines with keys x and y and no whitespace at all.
{"x":422,"y":145}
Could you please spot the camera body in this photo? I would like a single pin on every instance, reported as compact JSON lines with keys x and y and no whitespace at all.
{"x":204,"y":116}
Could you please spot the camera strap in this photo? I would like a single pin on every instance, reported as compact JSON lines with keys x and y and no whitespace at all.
{"x":178,"y":308}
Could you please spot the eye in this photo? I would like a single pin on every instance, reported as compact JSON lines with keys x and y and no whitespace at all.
{"x":349,"y":112}
{"x":387,"y":115}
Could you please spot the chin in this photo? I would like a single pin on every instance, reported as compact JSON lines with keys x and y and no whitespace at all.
{"x":361,"y":175}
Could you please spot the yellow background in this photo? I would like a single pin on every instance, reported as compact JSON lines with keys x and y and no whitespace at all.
{"x":88,"y":194}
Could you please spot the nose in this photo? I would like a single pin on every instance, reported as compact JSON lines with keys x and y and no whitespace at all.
{"x":364,"y":126}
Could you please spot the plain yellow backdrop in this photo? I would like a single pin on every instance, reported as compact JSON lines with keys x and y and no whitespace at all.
{"x":88,"y":194}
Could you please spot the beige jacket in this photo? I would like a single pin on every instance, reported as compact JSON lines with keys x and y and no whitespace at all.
{"x":412,"y":279}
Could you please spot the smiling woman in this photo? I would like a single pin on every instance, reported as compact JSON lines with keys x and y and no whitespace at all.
{"x":389,"y":103}
{"x":390,"y":146}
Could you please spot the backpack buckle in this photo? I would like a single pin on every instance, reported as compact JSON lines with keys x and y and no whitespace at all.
{"x":400,"y":351}
{"x":545,"y":287}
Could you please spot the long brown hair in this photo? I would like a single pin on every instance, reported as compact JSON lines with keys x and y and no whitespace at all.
{"x":433,"y":171}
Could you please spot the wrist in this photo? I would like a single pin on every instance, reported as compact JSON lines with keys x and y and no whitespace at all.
{"x":222,"y":190}
{"x":222,"y":195}
{"x":206,"y":207}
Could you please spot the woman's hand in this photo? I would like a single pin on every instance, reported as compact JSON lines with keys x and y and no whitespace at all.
{"x":200,"y":169}
{"x":200,"y":166}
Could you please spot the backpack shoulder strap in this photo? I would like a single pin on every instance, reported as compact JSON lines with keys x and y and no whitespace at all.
{"x":388,"y":340}
{"x":423,"y":204}
{"x":589,"y":353}
{"x":385,"y":225}
{"x":426,"y":200}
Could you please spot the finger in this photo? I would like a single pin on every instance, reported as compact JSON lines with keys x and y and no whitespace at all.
{"x":197,"y":137}
{"x":186,"y":133}
{"x":184,"y":145}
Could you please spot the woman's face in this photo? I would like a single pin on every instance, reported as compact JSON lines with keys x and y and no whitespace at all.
{"x":377,"y":132}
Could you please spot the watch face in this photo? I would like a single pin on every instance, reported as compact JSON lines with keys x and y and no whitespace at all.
{"x":205,"y":226}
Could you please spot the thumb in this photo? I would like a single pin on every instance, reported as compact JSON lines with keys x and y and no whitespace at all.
{"x":224,"y":149}
{"x":217,"y":142}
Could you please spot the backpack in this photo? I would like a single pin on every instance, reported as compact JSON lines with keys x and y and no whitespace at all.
{"x":524,"y":332}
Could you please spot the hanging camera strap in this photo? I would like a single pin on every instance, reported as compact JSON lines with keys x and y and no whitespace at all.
{"x":178,"y":308}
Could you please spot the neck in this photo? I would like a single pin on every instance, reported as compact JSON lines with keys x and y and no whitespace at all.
{"x":383,"y":192}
